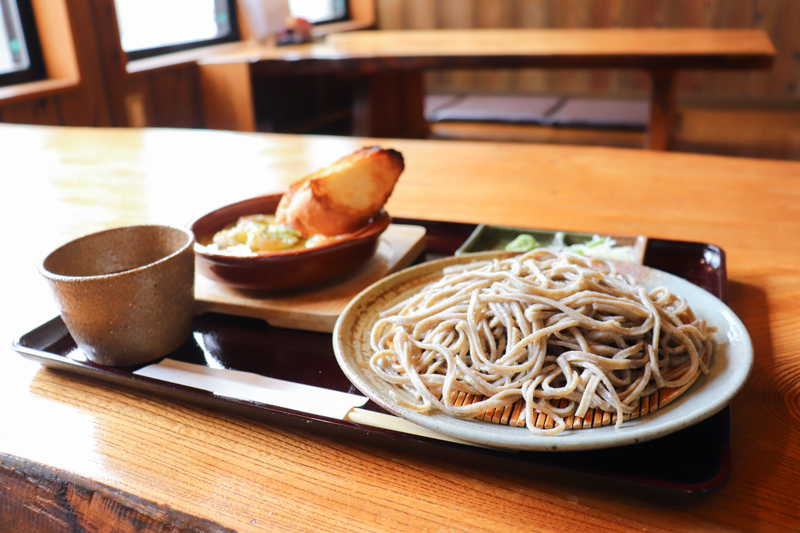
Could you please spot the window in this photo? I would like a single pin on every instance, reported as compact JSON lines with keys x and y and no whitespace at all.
{"x":319,"y":11}
{"x":153,"y":27}
{"x":20,"y":54}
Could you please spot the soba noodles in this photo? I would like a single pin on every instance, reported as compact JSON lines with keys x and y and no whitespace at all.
{"x":540,"y":327}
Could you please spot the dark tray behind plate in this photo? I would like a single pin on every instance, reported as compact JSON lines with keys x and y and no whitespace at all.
{"x":692,"y":462}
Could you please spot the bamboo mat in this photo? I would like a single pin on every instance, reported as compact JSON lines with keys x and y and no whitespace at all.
{"x":513,"y":414}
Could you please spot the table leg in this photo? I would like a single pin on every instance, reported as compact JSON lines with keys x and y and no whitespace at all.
{"x":390,"y":104}
{"x":662,"y":111}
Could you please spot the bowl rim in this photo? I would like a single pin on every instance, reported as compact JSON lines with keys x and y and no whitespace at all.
{"x":374,"y":226}
{"x":64,"y":278}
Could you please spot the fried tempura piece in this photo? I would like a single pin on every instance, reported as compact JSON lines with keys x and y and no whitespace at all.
{"x":343,"y":196}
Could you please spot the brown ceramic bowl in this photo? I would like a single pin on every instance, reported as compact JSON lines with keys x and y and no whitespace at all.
{"x":281,"y":270}
{"x":126,"y":294}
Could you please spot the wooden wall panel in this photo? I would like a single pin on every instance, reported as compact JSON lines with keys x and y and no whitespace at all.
{"x":456,"y":14}
{"x":787,"y":66}
{"x":779,"y":18}
{"x":495,"y":14}
{"x":227,"y":96}
{"x":533,"y":14}
{"x":70,"y":49}
{"x":112,"y":60}
{"x":391,"y":15}
{"x":80,"y":109}
{"x":572,"y":14}
{"x":89,"y":106}
{"x":167,"y":97}
{"x":175,"y":98}
{"x":421,"y":14}
{"x":42,"y":112}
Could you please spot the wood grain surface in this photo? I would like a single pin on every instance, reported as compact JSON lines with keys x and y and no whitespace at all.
{"x":642,"y":48}
{"x":314,"y":308}
{"x":80,"y":455}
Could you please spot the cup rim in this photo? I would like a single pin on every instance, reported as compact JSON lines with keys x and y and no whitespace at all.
{"x":189,"y":244}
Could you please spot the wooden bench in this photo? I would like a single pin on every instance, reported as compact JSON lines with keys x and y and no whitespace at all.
{"x":389,"y":67}
{"x":543,"y":110}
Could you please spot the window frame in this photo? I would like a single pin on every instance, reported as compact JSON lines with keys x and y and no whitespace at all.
{"x":346,"y":17}
{"x":36,"y":71}
{"x":232,"y":37}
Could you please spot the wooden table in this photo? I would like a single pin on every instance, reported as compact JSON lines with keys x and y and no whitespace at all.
{"x":390,"y":99}
{"x":81,"y":454}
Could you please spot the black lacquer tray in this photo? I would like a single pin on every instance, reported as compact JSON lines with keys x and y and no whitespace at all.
{"x":692,"y":462}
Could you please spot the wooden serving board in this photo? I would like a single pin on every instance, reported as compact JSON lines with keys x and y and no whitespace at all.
{"x":313,"y":308}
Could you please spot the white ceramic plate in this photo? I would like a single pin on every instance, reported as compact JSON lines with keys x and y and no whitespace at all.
{"x":733,"y":359}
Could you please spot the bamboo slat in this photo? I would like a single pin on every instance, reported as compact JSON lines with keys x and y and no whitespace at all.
{"x":512,"y":414}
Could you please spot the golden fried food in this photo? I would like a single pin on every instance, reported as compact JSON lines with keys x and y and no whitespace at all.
{"x":343,"y":196}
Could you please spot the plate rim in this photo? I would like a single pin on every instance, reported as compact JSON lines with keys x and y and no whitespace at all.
{"x":732,"y":377}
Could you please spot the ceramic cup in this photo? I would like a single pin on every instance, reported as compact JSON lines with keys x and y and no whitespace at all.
{"x":126,"y":294}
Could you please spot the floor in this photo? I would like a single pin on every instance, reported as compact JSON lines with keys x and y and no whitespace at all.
{"x":761,"y":133}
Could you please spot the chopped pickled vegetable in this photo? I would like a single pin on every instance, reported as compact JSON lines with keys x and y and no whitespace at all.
{"x":523,"y":243}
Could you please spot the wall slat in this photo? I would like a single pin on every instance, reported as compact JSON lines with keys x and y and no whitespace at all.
{"x":176,"y":102}
{"x":42,"y":112}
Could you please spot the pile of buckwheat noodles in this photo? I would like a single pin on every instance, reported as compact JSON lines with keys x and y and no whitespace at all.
{"x":542,"y":327}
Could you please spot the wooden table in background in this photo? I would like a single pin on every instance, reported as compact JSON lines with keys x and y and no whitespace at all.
{"x":82,"y":455}
{"x":390,"y":64}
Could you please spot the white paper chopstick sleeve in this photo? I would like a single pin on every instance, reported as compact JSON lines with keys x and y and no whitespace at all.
{"x":253,"y":387}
